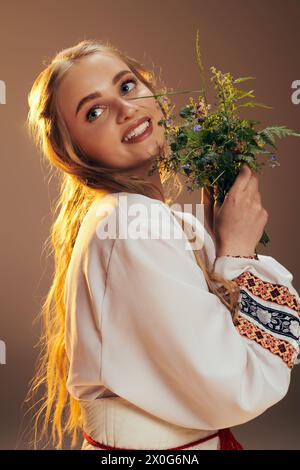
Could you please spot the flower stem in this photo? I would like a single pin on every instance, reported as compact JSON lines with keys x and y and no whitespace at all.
{"x":218,"y":177}
{"x":165,"y":94}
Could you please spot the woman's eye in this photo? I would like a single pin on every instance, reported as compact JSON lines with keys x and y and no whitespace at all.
{"x":128,"y":81}
{"x":94,"y":108}
{"x":91,"y":111}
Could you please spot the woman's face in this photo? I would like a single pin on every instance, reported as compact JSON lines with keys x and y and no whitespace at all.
{"x":99,"y":124}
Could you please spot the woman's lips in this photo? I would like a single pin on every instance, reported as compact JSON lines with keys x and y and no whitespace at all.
{"x":142,"y":136}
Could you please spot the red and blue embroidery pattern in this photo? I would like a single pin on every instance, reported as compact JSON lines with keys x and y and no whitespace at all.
{"x":264,"y":321}
{"x":280,"y":347}
{"x":276,"y":321}
{"x":268,"y":291}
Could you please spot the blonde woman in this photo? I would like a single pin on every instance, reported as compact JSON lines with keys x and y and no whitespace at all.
{"x":149,"y":342}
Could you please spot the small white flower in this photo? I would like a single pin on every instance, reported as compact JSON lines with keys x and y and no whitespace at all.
{"x":264,"y":316}
{"x":295,"y":328}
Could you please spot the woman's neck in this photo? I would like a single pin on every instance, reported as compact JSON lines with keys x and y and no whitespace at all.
{"x":142,"y":171}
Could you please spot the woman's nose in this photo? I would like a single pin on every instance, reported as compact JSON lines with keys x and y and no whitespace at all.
{"x":126,"y":109}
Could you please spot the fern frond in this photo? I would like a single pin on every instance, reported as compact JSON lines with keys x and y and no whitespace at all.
{"x":280,"y":131}
{"x":267,"y":137}
{"x":254,"y":149}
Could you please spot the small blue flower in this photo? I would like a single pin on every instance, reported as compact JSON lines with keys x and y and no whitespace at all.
{"x":197,"y":128}
{"x":274,"y":161}
{"x":169,"y":121}
{"x":186,"y":168}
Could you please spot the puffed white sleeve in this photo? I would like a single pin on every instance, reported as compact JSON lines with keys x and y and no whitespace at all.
{"x":169,"y":346}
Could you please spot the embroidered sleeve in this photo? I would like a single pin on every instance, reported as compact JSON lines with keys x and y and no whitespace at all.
{"x":269,"y":304}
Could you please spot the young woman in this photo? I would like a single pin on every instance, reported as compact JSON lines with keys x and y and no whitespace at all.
{"x":148,"y":343}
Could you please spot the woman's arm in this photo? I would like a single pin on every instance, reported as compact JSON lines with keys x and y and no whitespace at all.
{"x":142,"y":323}
{"x":170,"y":347}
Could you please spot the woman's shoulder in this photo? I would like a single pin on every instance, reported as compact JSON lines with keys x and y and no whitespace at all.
{"x":123,"y":207}
{"x":133,"y":211}
{"x":134,"y":216}
{"x":111,"y":214}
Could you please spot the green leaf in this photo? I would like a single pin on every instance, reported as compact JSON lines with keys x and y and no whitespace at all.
{"x":253,"y":122}
{"x":263,"y":151}
{"x":199,"y":61}
{"x":243,"y":79}
{"x":243,"y":94}
{"x":251,"y":104}
{"x":264,"y":238}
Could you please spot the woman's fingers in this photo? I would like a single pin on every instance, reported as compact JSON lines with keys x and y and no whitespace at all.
{"x":242,"y":179}
{"x":252,"y":188}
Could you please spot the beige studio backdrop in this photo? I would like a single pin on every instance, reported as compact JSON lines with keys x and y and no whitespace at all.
{"x":257,"y":38}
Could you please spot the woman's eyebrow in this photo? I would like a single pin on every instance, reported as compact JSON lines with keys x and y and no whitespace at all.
{"x":97,"y":94}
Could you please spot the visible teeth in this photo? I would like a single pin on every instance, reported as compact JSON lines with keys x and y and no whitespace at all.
{"x":137,"y":131}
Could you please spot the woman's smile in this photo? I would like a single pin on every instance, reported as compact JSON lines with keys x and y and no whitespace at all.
{"x":148,"y":129}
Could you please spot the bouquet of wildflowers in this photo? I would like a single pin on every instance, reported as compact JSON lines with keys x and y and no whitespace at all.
{"x":209,"y":145}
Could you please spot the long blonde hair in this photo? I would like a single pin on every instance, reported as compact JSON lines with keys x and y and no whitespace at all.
{"x":80,"y":181}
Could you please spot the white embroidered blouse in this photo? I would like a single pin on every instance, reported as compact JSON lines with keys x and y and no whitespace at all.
{"x":141,"y":322}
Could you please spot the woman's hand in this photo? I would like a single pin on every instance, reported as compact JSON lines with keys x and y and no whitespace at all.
{"x":239,"y":222}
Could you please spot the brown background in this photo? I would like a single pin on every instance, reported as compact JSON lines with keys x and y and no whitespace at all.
{"x":244,"y":37}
